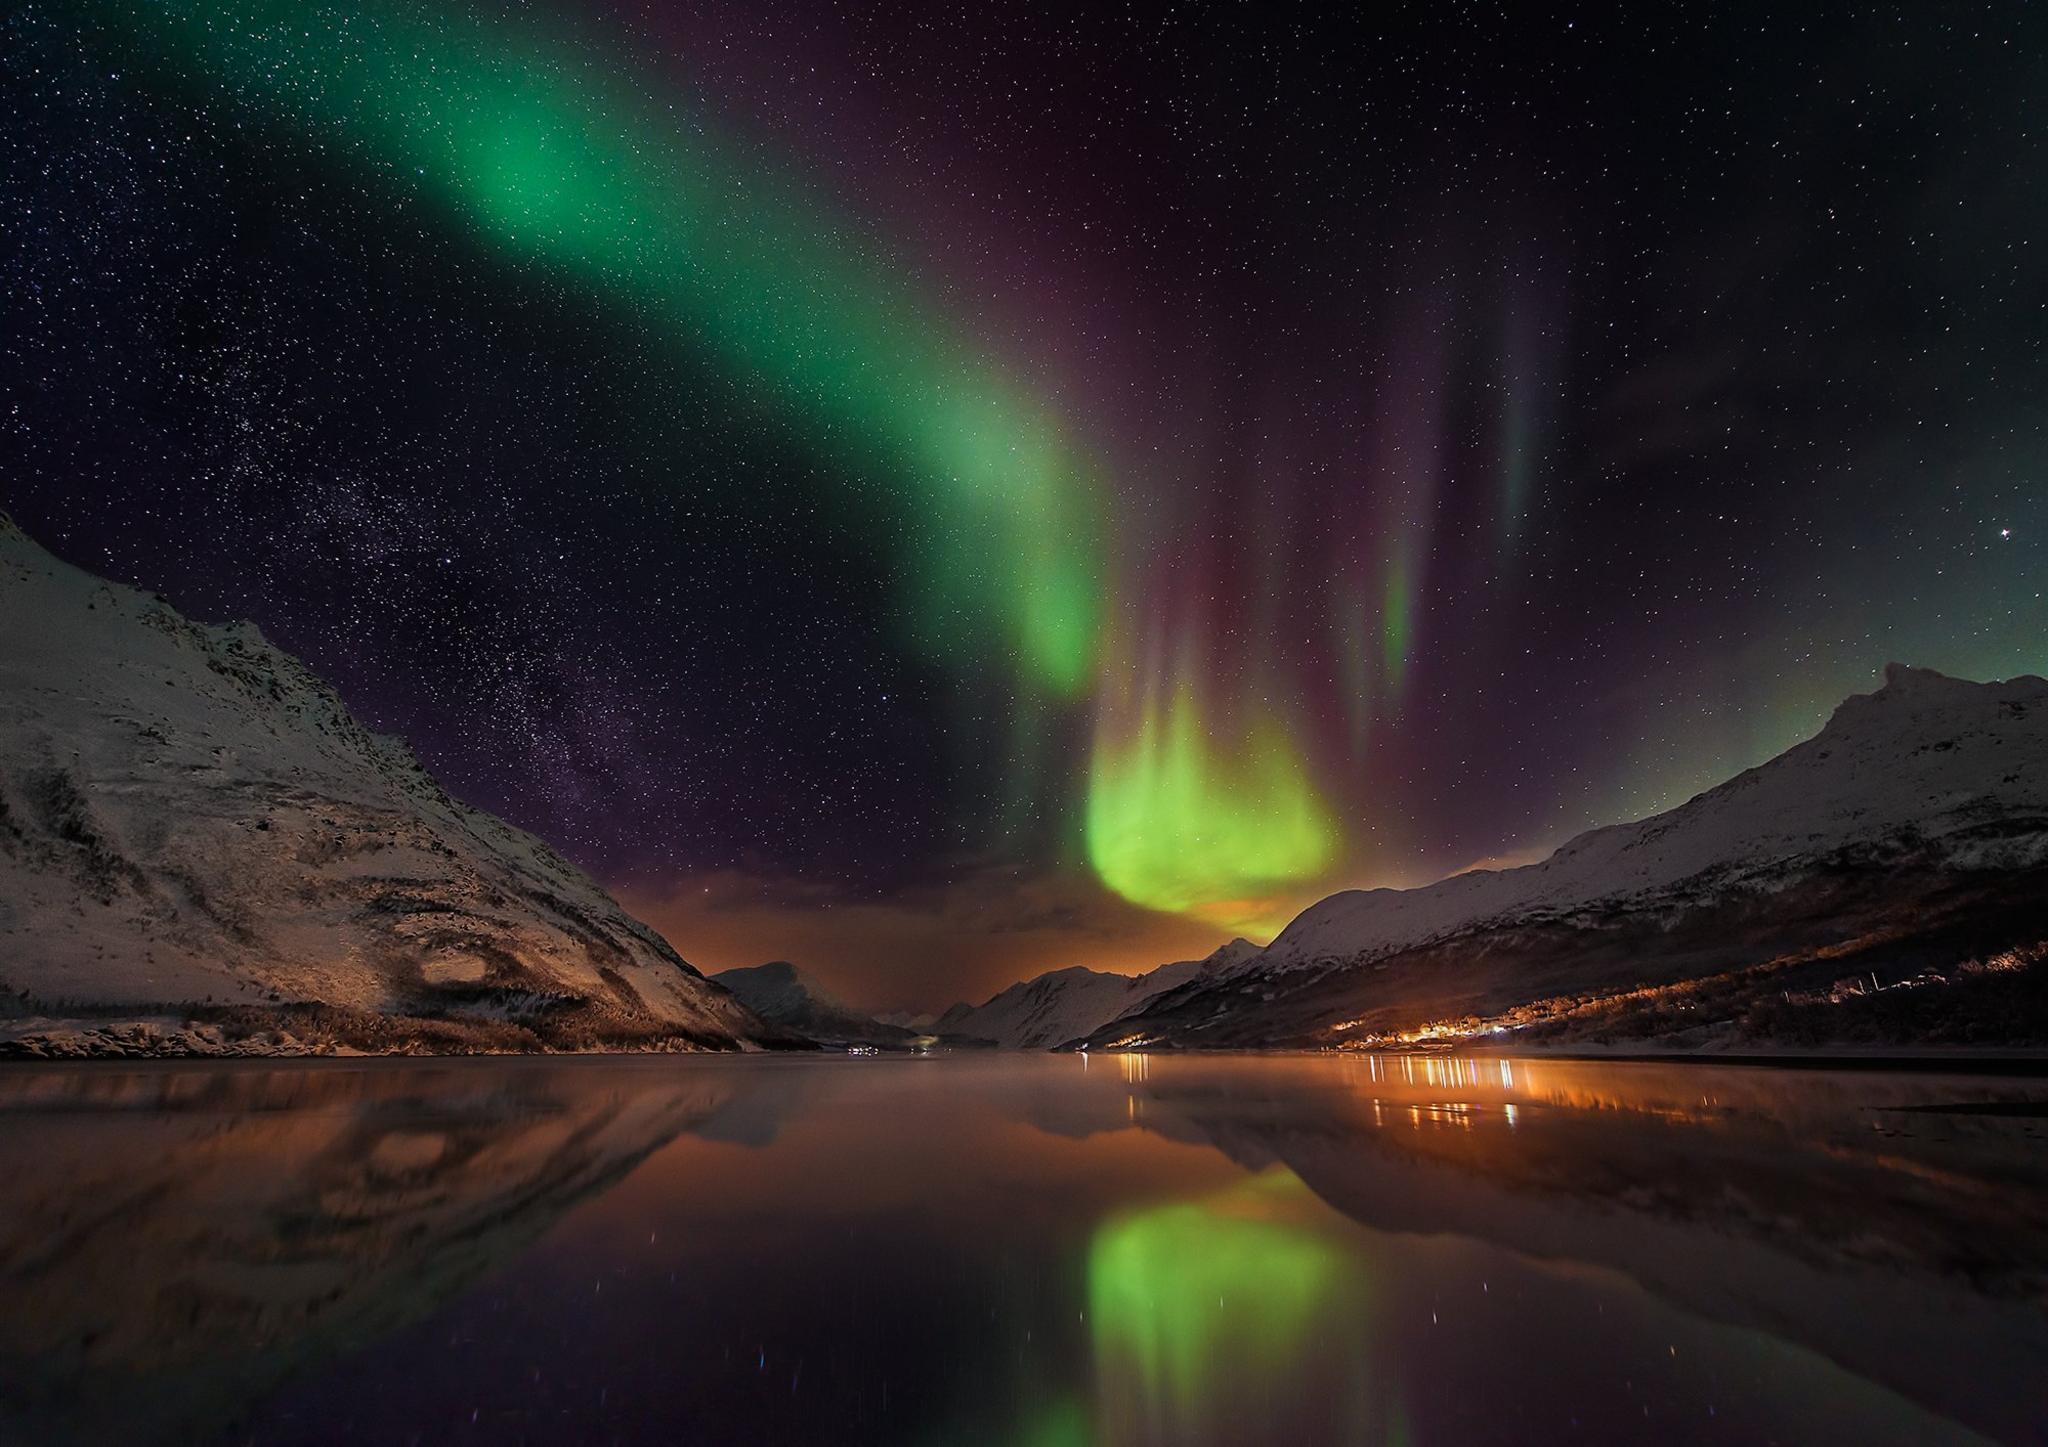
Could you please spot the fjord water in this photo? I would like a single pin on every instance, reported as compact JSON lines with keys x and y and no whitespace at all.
{"x":1045,"y":1251}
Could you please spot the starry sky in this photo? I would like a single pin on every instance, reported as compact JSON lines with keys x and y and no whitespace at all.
{"x":938,"y":492}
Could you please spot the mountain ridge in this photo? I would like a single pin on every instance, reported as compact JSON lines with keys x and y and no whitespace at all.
{"x":199,"y":841}
{"x":1927,"y":793}
{"x":1065,"y":1004}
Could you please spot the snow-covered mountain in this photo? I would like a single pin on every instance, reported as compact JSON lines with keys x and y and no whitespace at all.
{"x":1064,"y":1005}
{"x":1919,"y":813}
{"x":783,"y":995}
{"x":195,"y":833}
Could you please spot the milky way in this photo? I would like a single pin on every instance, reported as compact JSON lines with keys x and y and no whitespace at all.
{"x":954,"y":492}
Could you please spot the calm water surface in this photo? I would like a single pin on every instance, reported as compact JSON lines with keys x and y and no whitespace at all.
{"x":1039,"y":1251}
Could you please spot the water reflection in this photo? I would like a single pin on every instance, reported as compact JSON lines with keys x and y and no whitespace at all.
{"x":1202,"y":1308}
{"x":1021,"y":1250}
{"x":178,"y":1240}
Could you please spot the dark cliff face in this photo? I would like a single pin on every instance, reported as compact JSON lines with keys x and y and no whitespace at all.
{"x":193,"y":826}
{"x":785,"y":996}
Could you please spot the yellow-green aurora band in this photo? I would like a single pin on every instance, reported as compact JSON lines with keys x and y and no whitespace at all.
{"x":1215,"y":829}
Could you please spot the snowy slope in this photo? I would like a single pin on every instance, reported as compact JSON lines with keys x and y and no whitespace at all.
{"x":189,"y":815}
{"x":784,"y":995}
{"x":1064,"y":1005}
{"x":1926,"y":760}
{"x":1929,"y":777}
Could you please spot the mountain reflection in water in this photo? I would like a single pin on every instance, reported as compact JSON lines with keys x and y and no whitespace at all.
{"x":1021,"y":1250}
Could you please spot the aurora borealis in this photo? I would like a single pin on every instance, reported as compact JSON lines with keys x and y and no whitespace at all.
{"x":1201,"y":1308}
{"x":1181,"y":819}
{"x":941,"y":494}
{"x":545,"y":161}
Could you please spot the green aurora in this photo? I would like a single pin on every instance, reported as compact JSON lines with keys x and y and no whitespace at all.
{"x":1200,"y":1308}
{"x":556,"y":164}
{"x":1177,"y":822}
{"x":1006,"y":514}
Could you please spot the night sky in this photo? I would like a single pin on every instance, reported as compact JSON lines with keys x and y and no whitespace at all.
{"x":937,"y":492}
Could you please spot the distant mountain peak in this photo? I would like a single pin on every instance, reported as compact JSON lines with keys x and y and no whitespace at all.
{"x":1225,"y":956}
{"x":1908,"y":676}
{"x":785,"y":995}
{"x":1926,"y":699}
{"x":773,"y":970}
{"x":1065,"y":1004}
{"x":1905,"y":680}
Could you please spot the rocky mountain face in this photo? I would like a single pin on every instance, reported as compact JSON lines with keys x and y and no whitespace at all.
{"x":1905,"y":844}
{"x":1066,"y":1005}
{"x":783,"y":995}
{"x":202,"y":851}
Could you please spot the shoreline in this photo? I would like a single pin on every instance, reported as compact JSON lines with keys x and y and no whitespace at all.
{"x":1991,"y":1060}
